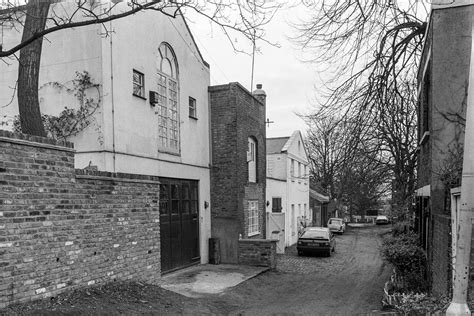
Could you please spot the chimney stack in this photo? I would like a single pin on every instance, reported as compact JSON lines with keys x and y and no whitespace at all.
{"x":260,"y":94}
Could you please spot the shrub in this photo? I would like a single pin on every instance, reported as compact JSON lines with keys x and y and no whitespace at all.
{"x":401,"y":228}
{"x":409,"y":260}
{"x":421,"y":303}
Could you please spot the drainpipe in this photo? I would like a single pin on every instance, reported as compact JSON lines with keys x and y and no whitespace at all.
{"x":458,"y":304}
{"x":112,"y":94}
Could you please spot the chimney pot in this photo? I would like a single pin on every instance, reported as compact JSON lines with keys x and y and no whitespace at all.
{"x":259,"y":86}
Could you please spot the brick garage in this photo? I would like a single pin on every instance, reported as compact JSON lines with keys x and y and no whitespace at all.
{"x":62,"y":228}
{"x":236,"y":115}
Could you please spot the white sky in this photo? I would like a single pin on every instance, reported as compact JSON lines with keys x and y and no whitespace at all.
{"x":288,"y":82}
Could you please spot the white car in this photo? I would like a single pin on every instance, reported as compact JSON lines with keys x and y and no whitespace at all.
{"x":337,"y":225}
{"x":381,"y":220}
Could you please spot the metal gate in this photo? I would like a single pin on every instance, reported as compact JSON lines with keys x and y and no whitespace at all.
{"x":276,"y":229}
{"x":179,"y":223}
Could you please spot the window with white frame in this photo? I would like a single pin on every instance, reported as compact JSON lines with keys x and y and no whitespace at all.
{"x":252,"y":159}
{"x":192,"y":108}
{"x":138,"y":84}
{"x":253,"y":218}
{"x":168,"y":112}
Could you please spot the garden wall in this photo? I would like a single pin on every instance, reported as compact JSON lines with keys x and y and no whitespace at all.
{"x":62,"y":228}
{"x":258,"y":252}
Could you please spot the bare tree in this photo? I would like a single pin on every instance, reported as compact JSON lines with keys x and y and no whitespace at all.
{"x":344,"y":164}
{"x":376,"y":46}
{"x":40,"y":18}
{"x":330,"y":149}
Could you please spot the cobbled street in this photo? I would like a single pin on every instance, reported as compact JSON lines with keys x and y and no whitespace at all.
{"x":350,"y":282}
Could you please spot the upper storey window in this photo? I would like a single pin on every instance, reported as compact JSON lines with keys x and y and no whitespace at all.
{"x":168,"y":88}
{"x":252,"y":159}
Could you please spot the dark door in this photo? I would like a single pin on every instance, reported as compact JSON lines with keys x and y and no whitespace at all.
{"x":179,"y":223}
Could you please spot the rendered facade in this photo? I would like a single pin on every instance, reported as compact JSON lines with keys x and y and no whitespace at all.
{"x":152,"y":119}
{"x":288,"y":183}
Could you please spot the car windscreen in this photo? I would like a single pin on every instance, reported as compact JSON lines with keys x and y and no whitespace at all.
{"x":315,"y":234}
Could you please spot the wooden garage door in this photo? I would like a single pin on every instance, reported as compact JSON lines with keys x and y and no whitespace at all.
{"x":179,"y":223}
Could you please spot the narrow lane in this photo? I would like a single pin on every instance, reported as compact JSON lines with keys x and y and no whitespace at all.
{"x":350,"y":282}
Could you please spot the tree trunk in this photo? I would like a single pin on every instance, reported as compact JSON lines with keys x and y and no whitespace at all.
{"x":28,"y":71}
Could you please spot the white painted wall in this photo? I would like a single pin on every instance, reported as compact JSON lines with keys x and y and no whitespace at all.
{"x":124,"y":137}
{"x":295,"y":189}
{"x":276,"y":166}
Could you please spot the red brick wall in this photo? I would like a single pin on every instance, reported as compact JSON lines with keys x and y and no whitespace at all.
{"x":258,"y":252}
{"x":62,"y":228}
{"x":235,"y":116}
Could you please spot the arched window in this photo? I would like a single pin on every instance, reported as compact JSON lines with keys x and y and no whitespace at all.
{"x":252,"y":159}
{"x":168,"y":88}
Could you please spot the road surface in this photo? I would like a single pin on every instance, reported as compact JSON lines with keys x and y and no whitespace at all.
{"x":350,"y":282}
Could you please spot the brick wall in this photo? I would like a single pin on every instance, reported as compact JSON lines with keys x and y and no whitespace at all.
{"x":441,"y":273}
{"x":258,"y":252}
{"x":236,"y":115}
{"x":62,"y":228}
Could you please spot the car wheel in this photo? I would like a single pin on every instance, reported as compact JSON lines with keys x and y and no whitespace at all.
{"x":334,"y":249}
{"x":329,"y":253}
{"x":300,"y":253}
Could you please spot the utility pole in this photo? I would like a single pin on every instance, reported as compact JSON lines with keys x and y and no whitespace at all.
{"x":458,"y":304}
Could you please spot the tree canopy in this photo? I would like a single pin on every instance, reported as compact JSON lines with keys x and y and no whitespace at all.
{"x":373,"y":48}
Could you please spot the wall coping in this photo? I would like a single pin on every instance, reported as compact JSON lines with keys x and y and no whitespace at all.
{"x":249,"y":240}
{"x":35,"y":141}
{"x":115,"y":176}
{"x":229,"y":86}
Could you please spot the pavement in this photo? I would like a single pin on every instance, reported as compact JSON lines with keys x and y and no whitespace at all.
{"x":200,"y":280}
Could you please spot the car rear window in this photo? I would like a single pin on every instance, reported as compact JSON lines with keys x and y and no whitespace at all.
{"x":335,"y":221}
{"x":316,"y":234}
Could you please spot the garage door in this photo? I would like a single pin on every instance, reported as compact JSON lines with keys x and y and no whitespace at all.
{"x":179,"y":223}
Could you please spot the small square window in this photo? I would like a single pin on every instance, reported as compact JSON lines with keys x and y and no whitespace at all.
{"x":192,"y":108}
{"x":138,"y":84}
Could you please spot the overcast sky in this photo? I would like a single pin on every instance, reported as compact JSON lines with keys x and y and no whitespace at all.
{"x":288,"y":82}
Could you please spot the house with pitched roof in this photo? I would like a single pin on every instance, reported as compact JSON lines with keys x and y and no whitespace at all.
{"x":152,"y":115}
{"x":287,"y":189}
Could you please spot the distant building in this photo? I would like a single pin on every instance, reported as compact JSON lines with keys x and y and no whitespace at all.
{"x":288,"y":183}
{"x":318,"y":204}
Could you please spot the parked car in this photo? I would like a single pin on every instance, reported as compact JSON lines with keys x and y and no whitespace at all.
{"x":337,"y":225}
{"x":381,"y":220}
{"x":316,"y":240}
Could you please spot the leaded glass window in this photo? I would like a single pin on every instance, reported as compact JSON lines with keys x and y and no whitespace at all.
{"x":253,"y":219}
{"x":168,"y":109}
